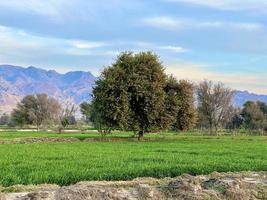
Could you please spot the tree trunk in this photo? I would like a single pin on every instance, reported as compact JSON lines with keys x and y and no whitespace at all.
{"x":141,"y":135}
{"x":60,"y":130}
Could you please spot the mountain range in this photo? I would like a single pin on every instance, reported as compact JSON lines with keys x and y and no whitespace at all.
{"x":16,"y":82}
{"x":76,"y":86}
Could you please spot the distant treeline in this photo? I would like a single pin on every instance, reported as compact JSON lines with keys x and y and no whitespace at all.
{"x":135,"y":94}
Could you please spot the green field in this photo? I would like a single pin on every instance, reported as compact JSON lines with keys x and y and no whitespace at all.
{"x":170,"y":155}
{"x":81,"y":136}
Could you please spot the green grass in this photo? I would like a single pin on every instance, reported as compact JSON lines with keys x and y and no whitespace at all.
{"x":67,"y":163}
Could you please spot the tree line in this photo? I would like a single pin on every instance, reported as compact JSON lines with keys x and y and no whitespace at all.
{"x":135,"y":94}
{"x":41,"y":111}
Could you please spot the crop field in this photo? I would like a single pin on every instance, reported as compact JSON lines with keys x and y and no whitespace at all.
{"x":65,"y":163}
{"x":81,"y":136}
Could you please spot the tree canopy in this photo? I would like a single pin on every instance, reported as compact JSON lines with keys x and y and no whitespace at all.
{"x":131,"y":94}
{"x":39,"y":109}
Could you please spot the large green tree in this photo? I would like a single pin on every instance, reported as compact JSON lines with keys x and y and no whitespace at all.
{"x":130,"y":94}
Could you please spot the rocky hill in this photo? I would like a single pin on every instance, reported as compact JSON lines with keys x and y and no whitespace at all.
{"x":242,"y":96}
{"x":16,"y":82}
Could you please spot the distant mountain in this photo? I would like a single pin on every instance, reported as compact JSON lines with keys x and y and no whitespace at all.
{"x":16,"y":82}
{"x":242,"y":96}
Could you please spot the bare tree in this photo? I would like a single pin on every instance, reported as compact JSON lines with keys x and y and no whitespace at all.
{"x":66,"y":114}
{"x":215,"y":103}
{"x":47,"y":108}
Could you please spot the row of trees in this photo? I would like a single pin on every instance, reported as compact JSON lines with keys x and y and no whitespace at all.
{"x":253,"y":116}
{"x":135,"y":94}
{"x":41,"y":111}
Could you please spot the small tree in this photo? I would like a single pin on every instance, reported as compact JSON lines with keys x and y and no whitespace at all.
{"x":254,"y":116}
{"x":19,"y":117}
{"x":86,"y":110}
{"x":39,"y":109}
{"x":236,"y":121}
{"x":215,"y":101}
{"x":186,"y":116}
{"x":5,"y":119}
{"x":67,"y":112}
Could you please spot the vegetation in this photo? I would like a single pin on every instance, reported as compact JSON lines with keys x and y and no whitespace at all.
{"x":255,"y":115}
{"x":43,"y":111}
{"x":165,"y":155}
{"x":134,"y":94}
{"x":186,"y":116}
{"x":39,"y":109}
{"x":86,"y":110}
{"x":130,"y":94}
{"x":215,"y":104}
{"x":252,"y":117}
{"x":66,"y":116}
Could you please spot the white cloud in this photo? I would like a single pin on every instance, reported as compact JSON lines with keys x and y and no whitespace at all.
{"x":232,"y":5}
{"x":19,"y":44}
{"x":80,"y":44}
{"x":200,"y":71}
{"x":175,"y":49}
{"x":164,"y":22}
{"x":247,"y":26}
{"x":62,"y":10}
{"x":49,"y":8}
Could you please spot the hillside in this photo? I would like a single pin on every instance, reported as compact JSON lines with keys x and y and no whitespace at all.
{"x":16,"y":82}
{"x":242,"y":96}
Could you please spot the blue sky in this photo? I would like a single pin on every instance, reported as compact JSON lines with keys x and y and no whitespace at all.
{"x":221,"y":40}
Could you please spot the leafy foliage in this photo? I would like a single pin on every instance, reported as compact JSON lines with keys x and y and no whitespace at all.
{"x":86,"y":110}
{"x":255,"y":115}
{"x":130,"y":94}
{"x":36,"y":110}
{"x":186,"y":117}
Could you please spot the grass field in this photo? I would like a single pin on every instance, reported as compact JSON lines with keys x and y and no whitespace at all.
{"x":34,"y":134}
{"x":172,"y":155}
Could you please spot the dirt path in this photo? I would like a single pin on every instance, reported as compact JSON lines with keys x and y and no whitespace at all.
{"x":72,"y":139}
{"x":216,"y":186}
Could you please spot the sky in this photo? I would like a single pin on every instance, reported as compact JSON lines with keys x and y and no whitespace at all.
{"x":220,"y":40}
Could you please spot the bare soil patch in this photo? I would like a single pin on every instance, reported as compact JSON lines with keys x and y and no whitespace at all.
{"x":216,"y":186}
{"x":71,"y":139}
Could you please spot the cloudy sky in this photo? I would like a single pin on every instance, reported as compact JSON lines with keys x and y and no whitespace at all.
{"x":223,"y":40}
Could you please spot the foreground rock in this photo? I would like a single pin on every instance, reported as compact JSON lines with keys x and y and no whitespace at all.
{"x":217,"y":186}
